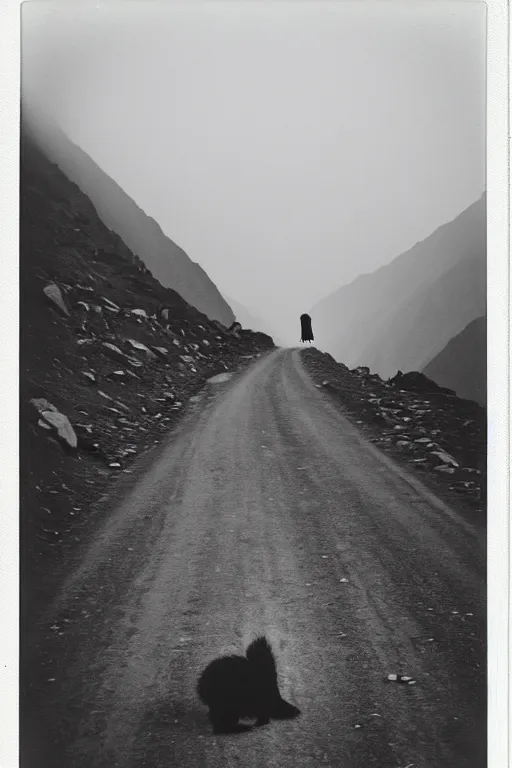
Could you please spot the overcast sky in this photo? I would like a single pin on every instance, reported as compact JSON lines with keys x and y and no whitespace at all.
{"x":286,"y":146}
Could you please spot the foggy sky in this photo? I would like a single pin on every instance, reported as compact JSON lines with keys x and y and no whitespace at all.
{"x":286,"y":146}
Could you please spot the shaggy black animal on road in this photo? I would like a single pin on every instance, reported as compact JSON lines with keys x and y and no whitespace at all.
{"x":306,"y":329}
{"x":237,"y":687}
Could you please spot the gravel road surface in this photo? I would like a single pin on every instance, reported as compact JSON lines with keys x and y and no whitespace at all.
{"x":267,"y":512}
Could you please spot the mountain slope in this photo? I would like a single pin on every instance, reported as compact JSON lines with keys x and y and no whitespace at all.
{"x":347,"y":320}
{"x":462,"y":364}
{"x":166,"y":261}
{"x":107,"y":352}
{"x":420,"y":328}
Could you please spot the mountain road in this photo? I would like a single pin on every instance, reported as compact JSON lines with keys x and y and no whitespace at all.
{"x":268,"y":512}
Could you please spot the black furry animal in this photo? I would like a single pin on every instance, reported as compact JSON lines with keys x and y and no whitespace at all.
{"x":238,"y":687}
{"x":306,"y":329}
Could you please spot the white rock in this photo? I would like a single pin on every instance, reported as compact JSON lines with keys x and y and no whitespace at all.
{"x":139,"y":345}
{"x":444,"y":468}
{"x":41,"y":404}
{"x":63,"y":426}
{"x":219,"y":378}
{"x":445,"y":458}
{"x":111,"y":303}
{"x":113,"y":348}
{"x":54,"y":293}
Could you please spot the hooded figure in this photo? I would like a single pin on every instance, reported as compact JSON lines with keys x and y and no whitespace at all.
{"x":306,"y":329}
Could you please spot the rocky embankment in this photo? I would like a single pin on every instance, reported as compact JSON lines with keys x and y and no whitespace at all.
{"x":424,"y":426}
{"x":109,"y":360}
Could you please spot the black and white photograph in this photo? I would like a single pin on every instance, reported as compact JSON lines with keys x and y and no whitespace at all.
{"x":253,"y":393}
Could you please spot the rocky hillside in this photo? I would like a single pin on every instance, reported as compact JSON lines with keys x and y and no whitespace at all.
{"x":109,"y":360}
{"x":378,"y":320}
{"x":462,"y":364}
{"x":166,"y":261}
{"x":421,"y":425}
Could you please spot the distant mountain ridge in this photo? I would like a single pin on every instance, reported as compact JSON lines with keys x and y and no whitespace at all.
{"x":462,"y":364}
{"x":167,"y":262}
{"x":422,"y":327}
{"x":383,"y":320}
{"x":248,"y":319}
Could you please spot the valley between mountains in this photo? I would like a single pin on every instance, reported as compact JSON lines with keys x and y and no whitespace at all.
{"x":186,"y":484}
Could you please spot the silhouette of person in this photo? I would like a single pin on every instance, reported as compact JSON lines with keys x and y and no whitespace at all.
{"x":306,"y":329}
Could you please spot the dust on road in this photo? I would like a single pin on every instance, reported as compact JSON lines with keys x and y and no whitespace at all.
{"x":268,"y":513}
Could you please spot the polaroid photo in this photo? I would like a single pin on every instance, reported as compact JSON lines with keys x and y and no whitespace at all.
{"x":256,"y":442}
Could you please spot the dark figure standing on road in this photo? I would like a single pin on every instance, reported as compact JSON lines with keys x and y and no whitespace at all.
{"x":306,"y":329}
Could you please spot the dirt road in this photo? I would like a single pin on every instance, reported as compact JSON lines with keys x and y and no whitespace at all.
{"x":268,"y":512}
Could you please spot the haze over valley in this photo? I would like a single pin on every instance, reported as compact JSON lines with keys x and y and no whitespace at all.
{"x":293,"y":191}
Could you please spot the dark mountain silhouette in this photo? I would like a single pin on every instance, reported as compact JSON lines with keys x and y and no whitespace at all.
{"x":358,"y":320}
{"x":462,"y":364}
{"x":167,"y":262}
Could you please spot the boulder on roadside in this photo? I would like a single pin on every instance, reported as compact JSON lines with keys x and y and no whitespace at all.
{"x":235,"y":328}
{"x":445,"y":458}
{"x":59,"y":423}
{"x":418,"y":382}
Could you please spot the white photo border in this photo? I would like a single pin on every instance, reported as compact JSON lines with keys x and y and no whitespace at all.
{"x":498,"y":324}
